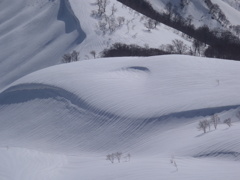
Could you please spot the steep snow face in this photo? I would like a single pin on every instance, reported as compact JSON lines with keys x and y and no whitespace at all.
{"x":131,"y":31}
{"x":195,"y":10}
{"x":34,"y":34}
{"x":234,"y":3}
{"x":232,"y":11}
{"x":198,"y":12}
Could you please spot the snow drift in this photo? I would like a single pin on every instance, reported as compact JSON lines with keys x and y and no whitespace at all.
{"x":148,"y":107}
{"x":34,"y":34}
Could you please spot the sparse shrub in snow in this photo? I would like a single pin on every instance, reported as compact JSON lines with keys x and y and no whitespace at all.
{"x":120,"y":20}
{"x":127,"y":157}
{"x":102,"y":4}
{"x":228,"y":122}
{"x":93,"y":53}
{"x":128,"y":27}
{"x":107,"y":22}
{"x":215,"y":120}
{"x":197,"y":47}
{"x":70,"y":57}
{"x":113,"y":10}
{"x":102,"y":26}
{"x":110,"y":157}
{"x":118,"y":156}
{"x":112,"y":24}
{"x":202,"y":125}
{"x":173,"y":162}
{"x":179,"y":46}
{"x":149,"y":24}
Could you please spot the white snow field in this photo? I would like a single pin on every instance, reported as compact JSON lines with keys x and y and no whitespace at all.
{"x":59,"y":123}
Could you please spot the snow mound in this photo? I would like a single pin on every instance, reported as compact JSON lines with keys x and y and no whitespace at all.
{"x":160,"y":85}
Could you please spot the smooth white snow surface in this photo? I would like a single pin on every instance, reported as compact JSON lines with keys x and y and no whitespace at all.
{"x":34,"y":34}
{"x":60,"y":122}
{"x":161,"y":84}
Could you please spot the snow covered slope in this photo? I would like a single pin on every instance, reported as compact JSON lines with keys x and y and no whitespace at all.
{"x":34,"y":34}
{"x":75,"y":114}
{"x":168,"y":78}
{"x":198,"y":11}
{"x":132,"y":31}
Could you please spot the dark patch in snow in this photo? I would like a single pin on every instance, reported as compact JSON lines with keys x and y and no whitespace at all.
{"x":66,"y":15}
{"x":138,"y":68}
{"x":231,"y":154}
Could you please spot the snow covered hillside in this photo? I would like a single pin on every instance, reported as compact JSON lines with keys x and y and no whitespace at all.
{"x":35,"y":34}
{"x":200,"y":13}
{"x":61,"y":122}
{"x":130,"y":31}
{"x":131,"y":118}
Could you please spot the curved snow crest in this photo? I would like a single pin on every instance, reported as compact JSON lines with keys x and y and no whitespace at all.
{"x":72,"y":23}
{"x":24,"y":93}
{"x":146,"y":87}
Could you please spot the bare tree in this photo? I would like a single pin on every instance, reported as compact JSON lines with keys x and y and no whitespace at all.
{"x":120,"y":20}
{"x":66,"y":58}
{"x":179,"y":46}
{"x":113,"y":10}
{"x":129,"y":156}
{"x":228,"y":122}
{"x":169,"y":48}
{"x":102,"y":25}
{"x":110,"y":157}
{"x":70,"y":57}
{"x":197,"y":47}
{"x":112,"y":24}
{"x":173,"y":162}
{"x":215,"y":120}
{"x":202,"y":125}
{"x":149,"y":24}
{"x":118,"y":155}
{"x":93,"y":53}
{"x":102,"y":4}
{"x":75,"y":56}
